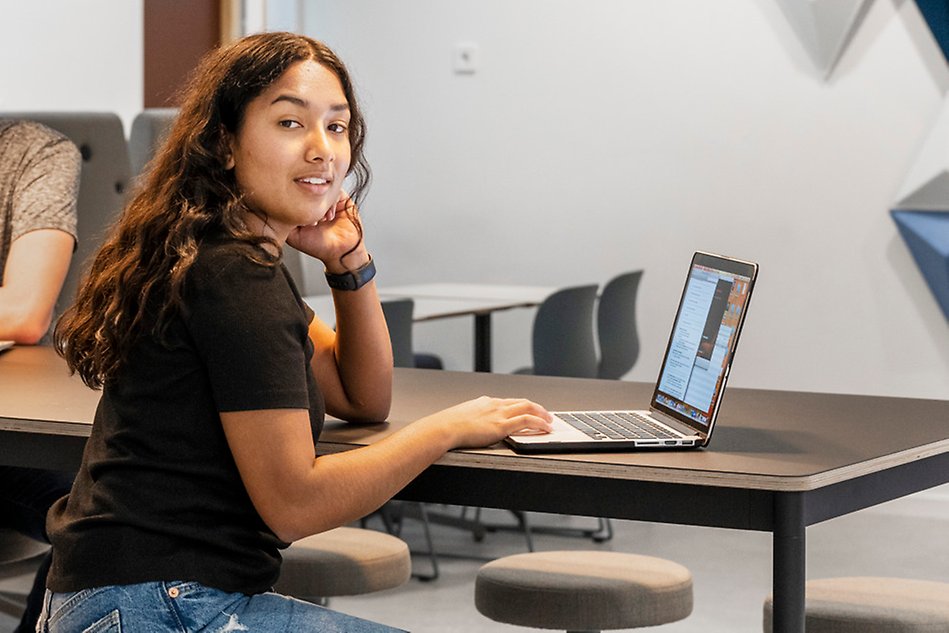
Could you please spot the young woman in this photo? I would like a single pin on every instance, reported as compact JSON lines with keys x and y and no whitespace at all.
{"x":215,"y":374}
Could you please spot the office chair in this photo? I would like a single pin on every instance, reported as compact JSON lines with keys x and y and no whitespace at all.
{"x":562,"y":344}
{"x":616,"y":325}
{"x":149,"y":128}
{"x":562,"y":341}
{"x":398,"y":313}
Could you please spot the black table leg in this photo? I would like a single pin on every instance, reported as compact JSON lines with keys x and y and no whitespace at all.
{"x":482,"y":342}
{"x":788,"y":550}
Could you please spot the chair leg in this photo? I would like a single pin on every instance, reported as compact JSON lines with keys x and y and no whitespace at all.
{"x":393,"y":517}
{"x":603,"y":532}
{"x":426,"y":528}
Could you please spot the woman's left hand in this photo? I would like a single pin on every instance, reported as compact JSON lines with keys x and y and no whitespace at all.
{"x":337,"y":233}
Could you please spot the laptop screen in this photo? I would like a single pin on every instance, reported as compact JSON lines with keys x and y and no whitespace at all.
{"x":700,"y":349}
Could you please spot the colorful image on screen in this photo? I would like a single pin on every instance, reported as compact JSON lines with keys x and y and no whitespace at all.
{"x":702,"y":341}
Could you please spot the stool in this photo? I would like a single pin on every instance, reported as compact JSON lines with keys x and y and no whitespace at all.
{"x":343,"y":562}
{"x":872,"y":605}
{"x":583,"y":590}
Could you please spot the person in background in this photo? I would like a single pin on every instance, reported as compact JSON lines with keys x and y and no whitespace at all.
{"x":215,"y":375}
{"x":39,"y":184}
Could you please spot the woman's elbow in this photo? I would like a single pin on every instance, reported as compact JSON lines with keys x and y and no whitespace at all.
{"x":376,"y":410}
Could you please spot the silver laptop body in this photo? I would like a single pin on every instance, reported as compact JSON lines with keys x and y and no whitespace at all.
{"x":692,"y":378}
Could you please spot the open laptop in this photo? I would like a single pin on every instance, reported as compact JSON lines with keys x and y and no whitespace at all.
{"x":5,"y":345}
{"x":694,"y":370}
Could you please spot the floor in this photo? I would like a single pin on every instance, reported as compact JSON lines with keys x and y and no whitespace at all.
{"x":732,"y":569}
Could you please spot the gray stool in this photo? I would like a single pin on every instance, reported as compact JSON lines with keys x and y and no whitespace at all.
{"x":583,"y":590}
{"x":872,"y":605}
{"x":343,"y":562}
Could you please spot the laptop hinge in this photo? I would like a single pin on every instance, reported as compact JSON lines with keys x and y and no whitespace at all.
{"x":671,"y":422}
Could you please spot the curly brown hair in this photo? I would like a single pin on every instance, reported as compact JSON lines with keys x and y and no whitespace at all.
{"x":135,"y":283}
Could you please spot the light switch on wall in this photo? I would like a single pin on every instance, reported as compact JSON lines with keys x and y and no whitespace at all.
{"x":465,"y":58}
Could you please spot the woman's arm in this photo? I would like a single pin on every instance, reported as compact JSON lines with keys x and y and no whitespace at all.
{"x":353,"y":365}
{"x":298,"y":495}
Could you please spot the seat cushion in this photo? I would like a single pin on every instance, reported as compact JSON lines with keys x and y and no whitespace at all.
{"x":873,"y":605}
{"x":583,"y":590}
{"x":344,"y":562}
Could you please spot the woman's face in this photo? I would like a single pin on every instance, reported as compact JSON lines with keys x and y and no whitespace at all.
{"x":291,"y":152}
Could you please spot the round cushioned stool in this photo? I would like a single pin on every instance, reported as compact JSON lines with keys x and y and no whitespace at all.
{"x":872,"y":605}
{"x":583,"y":590}
{"x":344,"y":562}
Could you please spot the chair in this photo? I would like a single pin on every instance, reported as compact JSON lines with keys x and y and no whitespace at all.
{"x":616,"y":325}
{"x":149,"y":128}
{"x":398,"y":313}
{"x":19,"y":555}
{"x":343,"y":562}
{"x":583,"y":590}
{"x":102,"y":186}
{"x":562,"y":341}
{"x":872,"y":605}
{"x":562,"y":344}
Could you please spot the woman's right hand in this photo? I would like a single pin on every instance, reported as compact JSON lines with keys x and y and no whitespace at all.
{"x":485,"y":421}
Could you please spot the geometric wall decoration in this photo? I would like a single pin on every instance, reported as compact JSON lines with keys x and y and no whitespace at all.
{"x":936,"y":13}
{"x":927,"y":184}
{"x":824,"y":27}
{"x":926,"y":233}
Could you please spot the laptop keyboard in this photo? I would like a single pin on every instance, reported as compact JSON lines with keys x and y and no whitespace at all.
{"x":616,"y":425}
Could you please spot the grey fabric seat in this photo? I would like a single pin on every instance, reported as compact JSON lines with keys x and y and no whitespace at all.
{"x":872,"y":605}
{"x":344,"y":562}
{"x":19,"y":555}
{"x":583,"y":590}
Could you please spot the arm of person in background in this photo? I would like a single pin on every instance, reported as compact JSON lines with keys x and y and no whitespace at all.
{"x":32,"y":278}
{"x":42,"y":194}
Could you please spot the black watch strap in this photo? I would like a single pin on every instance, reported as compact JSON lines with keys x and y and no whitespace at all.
{"x":354,"y":279}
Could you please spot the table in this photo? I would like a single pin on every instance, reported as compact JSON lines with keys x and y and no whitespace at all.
{"x":445,"y":300}
{"x":778,"y":461}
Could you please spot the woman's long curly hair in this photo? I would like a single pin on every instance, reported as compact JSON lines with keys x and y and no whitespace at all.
{"x":135,"y":283}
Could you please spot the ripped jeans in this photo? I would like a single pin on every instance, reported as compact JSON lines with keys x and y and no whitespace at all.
{"x":188,"y":607}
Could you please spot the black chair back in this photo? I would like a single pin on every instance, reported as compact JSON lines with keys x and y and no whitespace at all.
{"x":398,"y":313}
{"x":563,"y":340}
{"x":616,"y":325}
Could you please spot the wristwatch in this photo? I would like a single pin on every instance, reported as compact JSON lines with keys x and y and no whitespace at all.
{"x":354,"y":279}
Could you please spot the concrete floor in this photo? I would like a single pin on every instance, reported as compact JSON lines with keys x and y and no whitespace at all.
{"x":732,"y":569}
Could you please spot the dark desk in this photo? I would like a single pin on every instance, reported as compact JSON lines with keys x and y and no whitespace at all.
{"x":778,"y":462}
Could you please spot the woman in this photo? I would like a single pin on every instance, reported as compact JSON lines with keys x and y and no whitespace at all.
{"x":216,"y":375}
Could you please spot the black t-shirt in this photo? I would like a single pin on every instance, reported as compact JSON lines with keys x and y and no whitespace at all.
{"x":158,"y":496}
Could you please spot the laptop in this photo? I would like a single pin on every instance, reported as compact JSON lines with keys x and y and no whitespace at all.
{"x":5,"y":345}
{"x":692,"y":378}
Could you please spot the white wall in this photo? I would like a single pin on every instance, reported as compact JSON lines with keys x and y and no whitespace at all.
{"x":72,"y":55}
{"x":604,"y":136}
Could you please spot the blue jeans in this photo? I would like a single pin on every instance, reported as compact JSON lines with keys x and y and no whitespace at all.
{"x":188,"y":607}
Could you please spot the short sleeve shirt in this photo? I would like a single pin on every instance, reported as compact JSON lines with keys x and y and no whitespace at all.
{"x":39,"y":182}
{"x":158,"y":495}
